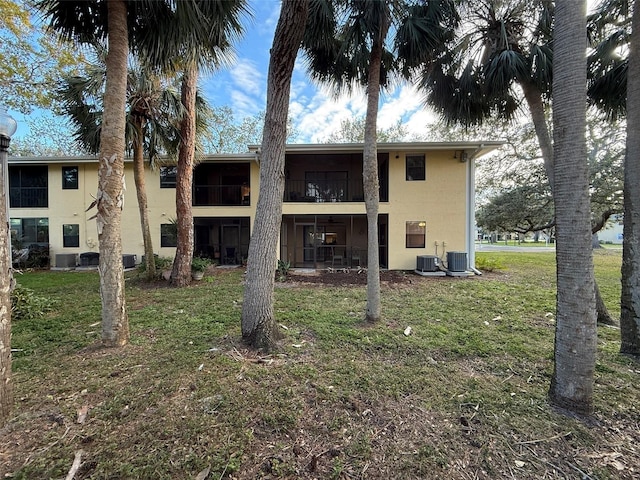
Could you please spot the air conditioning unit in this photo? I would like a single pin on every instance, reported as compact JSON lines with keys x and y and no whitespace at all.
{"x":89,"y":259}
{"x":128,"y":261}
{"x":66,"y":260}
{"x":457,"y":261}
{"x":427,"y":263}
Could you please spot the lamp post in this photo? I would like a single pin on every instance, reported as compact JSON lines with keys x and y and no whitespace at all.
{"x":7,"y":128}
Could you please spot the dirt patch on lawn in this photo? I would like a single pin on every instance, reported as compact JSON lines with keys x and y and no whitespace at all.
{"x":349,"y":276}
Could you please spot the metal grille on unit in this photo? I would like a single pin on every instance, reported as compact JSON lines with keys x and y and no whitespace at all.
{"x":427,"y":263}
{"x":457,"y":261}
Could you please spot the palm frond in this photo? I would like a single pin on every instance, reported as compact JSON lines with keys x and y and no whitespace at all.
{"x":608,"y":91}
{"x":503,"y":69}
{"x":541,"y":62}
{"x":78,"y":21}
{"x":423,"y":32}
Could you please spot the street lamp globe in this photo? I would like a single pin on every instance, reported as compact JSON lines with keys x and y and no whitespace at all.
{"x":7,"y":128}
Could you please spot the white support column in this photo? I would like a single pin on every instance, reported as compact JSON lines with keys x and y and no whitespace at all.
{"x":471,"y":212}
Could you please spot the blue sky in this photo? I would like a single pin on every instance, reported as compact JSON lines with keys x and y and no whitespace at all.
{"x":313,"y":109}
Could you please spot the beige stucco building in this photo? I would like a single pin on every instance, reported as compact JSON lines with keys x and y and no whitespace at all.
{"x":426,"y":204}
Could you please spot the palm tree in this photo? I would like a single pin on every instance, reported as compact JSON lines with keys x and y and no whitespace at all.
{"x":259,"y":328}
{"x":503,"y":48}
{"x":500,"y":46}
{"x":152,"y":115}
{"x":201,"y":34}
{"x":345,"y":44}
{"x":616,"y":94}
{"x":86,"y":22}
{"x":209,"y":23}
{"x":576,"y":330}
{"x":630,"y":303}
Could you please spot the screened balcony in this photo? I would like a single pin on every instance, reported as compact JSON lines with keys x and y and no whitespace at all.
{"x":321,"y":178}
{"x":221,"y":184}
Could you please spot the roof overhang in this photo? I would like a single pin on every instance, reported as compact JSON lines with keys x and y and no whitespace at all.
{"x":473,"y":149}
{"x":75,"y":160}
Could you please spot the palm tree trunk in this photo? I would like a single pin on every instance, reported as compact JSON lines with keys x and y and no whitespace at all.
{"x":576,"y":332}
{"x":259,"y":328}
{"x":371,"y":183}
{"x":630,"y":297}
{"x":6,"y":278}
{"x":110,"y":195}
{"x":181,"y":274}
{"x":535,"y":103}
{"x":533,"y":96}
{"x":141,"y":192}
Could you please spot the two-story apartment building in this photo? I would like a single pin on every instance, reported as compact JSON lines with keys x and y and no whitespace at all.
{"x":426,"y":204}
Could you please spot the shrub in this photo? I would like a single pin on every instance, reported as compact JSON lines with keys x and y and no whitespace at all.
{"x":162,"y":263}
{"x":25,"y":304}
{"x":283,"y":270}
{"x":488,"y":264}
{"x":199,"y":264}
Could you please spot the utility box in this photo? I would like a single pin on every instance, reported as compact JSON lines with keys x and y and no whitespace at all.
{"x":427,"y":263}
{"x":128,"y":261}
{"x":89,"y":259}
{"x":66,"y":260}
{"x":457,"y":261}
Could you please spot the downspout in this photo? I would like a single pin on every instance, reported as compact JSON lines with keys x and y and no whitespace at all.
{"x":471,"y":209}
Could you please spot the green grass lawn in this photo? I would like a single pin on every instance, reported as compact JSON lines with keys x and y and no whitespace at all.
{"x":463,"y":396}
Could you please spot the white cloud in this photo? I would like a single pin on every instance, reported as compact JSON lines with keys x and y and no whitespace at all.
{"x":323,"y":113}
{"x":244,"y":105}
{"x":247,"y":77}
{"x":397,"y":106}
{"x":419,"y":123}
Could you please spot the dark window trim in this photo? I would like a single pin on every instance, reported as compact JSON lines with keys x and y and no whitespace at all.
{"x":418,"y":170}
{"x":421,"y":236}
{"x":70,"y":183}
{"x":168,"y":235}
{"x":168,"y":176}
{"x":70,"y":241}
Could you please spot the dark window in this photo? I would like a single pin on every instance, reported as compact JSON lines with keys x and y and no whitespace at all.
{"x":168,"y":235}
{"x":30,"y":230}
{"x":415,"y":167}
{"x":69,"y":178}
{"x":416,"y":234}
{"x":168,"y":177}
{"x":28,"y":186}
{"x":71,"y":235}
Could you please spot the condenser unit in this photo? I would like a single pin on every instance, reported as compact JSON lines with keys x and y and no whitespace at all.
{"x":457,"y":261}
{"x":128,"y":261}
{"x":66,"y":260}
{"x":427,"y":263}
{"x":89,"y":259}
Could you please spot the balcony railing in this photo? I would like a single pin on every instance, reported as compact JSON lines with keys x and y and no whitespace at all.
{"x":220,"y":195}
{"x":329,"y":191}
{"x":28,"y":197}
